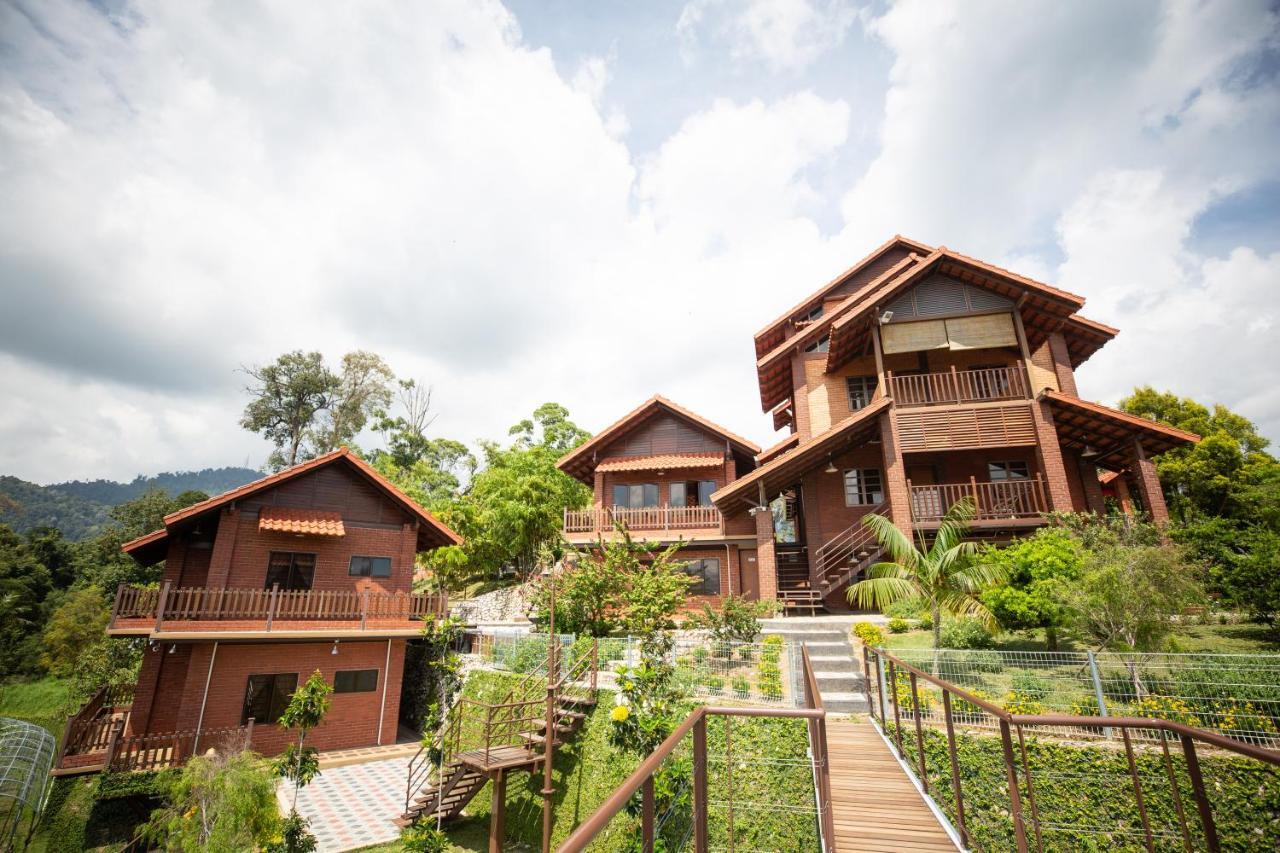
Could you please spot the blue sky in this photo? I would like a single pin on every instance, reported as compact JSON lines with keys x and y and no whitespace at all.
{"x":595,"y":202}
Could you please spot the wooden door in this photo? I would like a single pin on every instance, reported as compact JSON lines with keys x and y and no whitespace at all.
{"x":748,"y":574}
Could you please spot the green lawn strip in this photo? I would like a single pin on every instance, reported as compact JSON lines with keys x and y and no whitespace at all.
{"x":42,"y":702}
{"x":1085,"y":798}
{"x":772,"y":783}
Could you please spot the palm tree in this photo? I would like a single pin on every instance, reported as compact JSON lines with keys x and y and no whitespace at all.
{"x":945,"y":578}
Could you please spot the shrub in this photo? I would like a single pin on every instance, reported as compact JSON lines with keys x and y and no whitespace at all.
{"x":1029,"y":684}
{"x":221,"y":802}
{"x":737,"y":619}
{"x":952,"y":662}
{"x":967,"y":712}
{"x":1017,"y":702}
{"x":714,"y":684}
{"x":925,"y":623}
{"x":966,"y":634}
{"x":1165,"y":708}
{"x":905,"y":609}
{"x":902,"y":689}
{"x":869,"y":634}
{"x":899,"y":626}
{"x":741,"y":687}
{"x":1243,"y":721}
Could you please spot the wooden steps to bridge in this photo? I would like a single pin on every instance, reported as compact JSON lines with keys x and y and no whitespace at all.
{"x":467,"y":772}
{"x":874,"y":803}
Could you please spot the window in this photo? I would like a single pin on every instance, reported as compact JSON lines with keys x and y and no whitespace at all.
{"x":705,"y":488}
{"x":861,"y":390}
{"x":822,"y":344}
{"x":862,"y":486}
{"x":355,"y":680}
{"x":1000,"y":471}
{"x":690,"y":493}
{"x":814,"y":314}
{"x":290,"y":570}
{"x":267,"y":696}
{"x":677,"y":494}
{"x":707,"y":574}
{"x":635,"y":495}
{"x":370,"y":567}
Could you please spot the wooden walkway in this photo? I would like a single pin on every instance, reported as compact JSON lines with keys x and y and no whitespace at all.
{"x":876,"y":806}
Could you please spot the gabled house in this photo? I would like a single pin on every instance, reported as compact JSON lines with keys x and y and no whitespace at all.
{"x":654,"y":471}
{"x":917,"y":378}
{"x":308,"y":569}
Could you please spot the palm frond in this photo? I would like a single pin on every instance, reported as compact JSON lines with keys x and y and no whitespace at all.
{"x":960,"y":604}
{"x":881,"y":592}
{"x":889,"y":570}
{"x":893,"y":540}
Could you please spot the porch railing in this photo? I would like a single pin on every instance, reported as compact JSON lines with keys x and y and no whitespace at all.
{"x":642,"y":518}
{"x":169,"y":603}
{"x":89,"y":728}
{"x":158,"y":750}
{"x":1021,"y":789}
{"x":959,"y":386}
{"x":996,"y":501}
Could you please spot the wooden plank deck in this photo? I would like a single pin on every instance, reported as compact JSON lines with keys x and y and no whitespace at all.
{"x":876,"y":806}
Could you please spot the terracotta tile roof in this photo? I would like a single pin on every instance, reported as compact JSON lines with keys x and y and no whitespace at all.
{"x":1108,"y":431}
{"x":781,"y":469}
{"x":580,"y":462}
{"x":1106,"y":477}
{"x":660,"y":462}
{"x":302,"y":522}
{"x":432,"y":532}
{"x":768,"y":453}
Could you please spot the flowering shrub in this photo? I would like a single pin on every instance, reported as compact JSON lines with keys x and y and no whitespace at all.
{"x":899,"y":626}
{"x":1166,"y":708}
{"x":869,"y":634}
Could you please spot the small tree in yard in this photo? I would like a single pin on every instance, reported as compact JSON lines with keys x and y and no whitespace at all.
{"x":737,"y":620}
{"x":299,"y":763}
{"x":217,"y":802}
{"x":1038,"y":570}
{"x":946,"y":578}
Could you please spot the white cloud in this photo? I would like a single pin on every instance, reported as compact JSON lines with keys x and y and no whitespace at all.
{"x":786,"y":35}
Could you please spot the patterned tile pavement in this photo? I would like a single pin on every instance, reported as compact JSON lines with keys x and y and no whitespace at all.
{"x":352,"y":806}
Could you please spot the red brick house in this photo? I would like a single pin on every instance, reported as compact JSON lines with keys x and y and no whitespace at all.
{"x":655,"y":470}
{"x":918,"y":377}
{"x":308,"y":569}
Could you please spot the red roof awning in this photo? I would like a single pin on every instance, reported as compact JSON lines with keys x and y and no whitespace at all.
{"x":300,"y":522}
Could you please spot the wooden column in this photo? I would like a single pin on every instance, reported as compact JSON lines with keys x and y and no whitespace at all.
{"x":497,"y":809}
{"x":1144,"y":473}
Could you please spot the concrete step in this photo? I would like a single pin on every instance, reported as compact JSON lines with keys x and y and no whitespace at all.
{"x":845,"y":703}
{"x":837,"y":682}
{"x":844,"y":666}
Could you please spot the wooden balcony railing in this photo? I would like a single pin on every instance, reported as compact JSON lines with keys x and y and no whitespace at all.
{"x":267,"y":606}
{"x":959,"y":386}
{"x":645,"y":518}
{"x":89,"y":728}
{"x":1007,"y":499}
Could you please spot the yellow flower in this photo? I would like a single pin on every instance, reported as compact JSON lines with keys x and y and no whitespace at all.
{"x":620,"y":713}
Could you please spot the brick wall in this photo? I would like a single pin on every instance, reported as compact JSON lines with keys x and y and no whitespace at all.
{"x":351,"y":722}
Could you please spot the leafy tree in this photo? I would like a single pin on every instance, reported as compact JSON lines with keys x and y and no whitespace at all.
{"x":101,"y":563}
{"x":1252,"y":577}
{"x":588,"y":593}
{"x":433,"y":674}
{"x":24,"y":584}
{"x":737,"y":620}
{"x":300,"y":763}
{"x":945,"y":578}
{"x":217,"y":802}
{"x":287,"y":396}
{"x":1035,"y":570}
{"x":406,"y":434}
{"x":1130,"y":596}
{"x":76,"y":625}
{"x":514,"y":509}
{"x":363,"y":389}
{"x":51,"y":550}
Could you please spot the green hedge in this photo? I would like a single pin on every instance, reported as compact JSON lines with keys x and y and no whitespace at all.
{"x":1085,"y":796}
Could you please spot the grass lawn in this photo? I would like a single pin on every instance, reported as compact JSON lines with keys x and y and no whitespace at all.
{"x":1245,"y":638}
{"x":41,"y":702}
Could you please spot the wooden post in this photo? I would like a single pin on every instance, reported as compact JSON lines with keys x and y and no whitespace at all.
{"x":160,"y":603}
{"x":646,"y":816}
{"x":497,"y":832}
{"x":977,"y":498}
{"x":1197,"y":790}
{"x":700,"y":785}
{"x":956,"y":791}
{"x":1015,"y":799}
{"x":364,"y":608}
{"x":955,"y":384}
{"x":271,"y":605}
{"x":112,"y":743}
{"x":248,"y":733}
{"x":915,"y":712}
{"x":115,"y":605}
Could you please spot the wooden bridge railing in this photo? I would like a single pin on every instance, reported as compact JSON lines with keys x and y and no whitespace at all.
{"x":904,"y":698}
{"x":169,"y":603}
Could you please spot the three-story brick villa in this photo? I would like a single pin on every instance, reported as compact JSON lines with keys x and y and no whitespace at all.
{"x":915,"y":379}
{"x":309,"y":569}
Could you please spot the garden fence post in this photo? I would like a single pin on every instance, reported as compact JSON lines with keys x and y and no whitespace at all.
{"x":1097,"y":691}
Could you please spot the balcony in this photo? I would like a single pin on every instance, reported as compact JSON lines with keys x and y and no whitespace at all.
{"x":1008,"y":501}
{"x":644,"y":519}
{"x":959,"y":387}
{"x":173,"y":611}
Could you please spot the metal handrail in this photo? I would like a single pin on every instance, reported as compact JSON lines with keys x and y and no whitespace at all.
{"x":843,"y":544}
{"x":887,"y":666}
{"x":641,"y":780}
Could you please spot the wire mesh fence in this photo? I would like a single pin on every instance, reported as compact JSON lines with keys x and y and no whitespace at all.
{"x":746,"y":672}
{"x":1236,"y":695}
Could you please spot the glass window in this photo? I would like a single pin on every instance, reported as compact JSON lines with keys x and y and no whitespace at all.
{"x":707,"y":574}
{"x":814,"y":314}
{"x":822,"y":344}
{"x":1000,"y":471}
{"x":267,"y":696}
{"x":861,"y":390}
{"x":621,"y":496}
{"x":677,"y":494}
{"x":862,"y":486}
{"x":355,"y":680}
{"x":290,"y":570}
{"x":636,"y":495}
{"x":370,"y":567}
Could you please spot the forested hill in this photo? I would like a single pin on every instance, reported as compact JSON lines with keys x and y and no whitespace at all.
{"x":79,"y":508}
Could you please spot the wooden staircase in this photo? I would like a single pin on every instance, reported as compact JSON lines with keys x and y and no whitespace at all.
{"x":842,"y":557}
{"x":480,"y":742}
